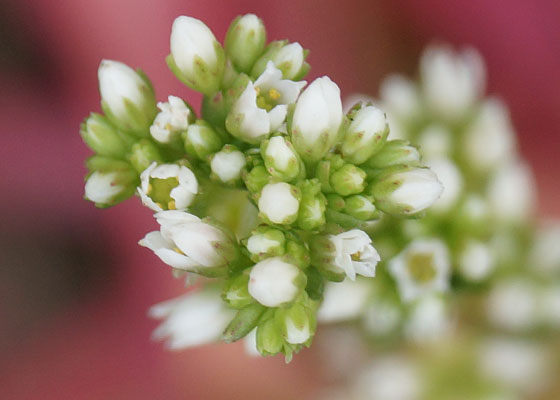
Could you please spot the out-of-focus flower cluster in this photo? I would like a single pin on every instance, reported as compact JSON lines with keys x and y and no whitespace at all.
{"x":265,"y":194}
{"x":466,"y":303}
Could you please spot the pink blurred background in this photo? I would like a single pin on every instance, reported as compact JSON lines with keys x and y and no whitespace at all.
{"x":74,"y":285}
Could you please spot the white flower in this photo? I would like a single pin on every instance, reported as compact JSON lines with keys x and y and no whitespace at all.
{"x":167,"y":187}
{"x":399,"y":97}
{"x":279,"y":202}
{"x":344,"y":300}
{"x":122,"y":88}
{"x":194,"y":319}
{"x":429,"y":321}
{"x":407,"y":192}
{"x":476,"y":260}
{"x":511,"y":193}
{"x":102,"y":188}
{"x":512,"y":304}
{"x":198,"y":57}
{"x":489,"y":140}
{"x":317,"y":118}
{"x":354,"y":254}
{"x":262,"y":107}
{"x":451,"y":82}
{"x":173,"y":119}
{"x":228,"y":164}
{"x":451,"y":180}
{"x":185,"y":242}
{"x":274,"y":282}
{"x":422,"y":268}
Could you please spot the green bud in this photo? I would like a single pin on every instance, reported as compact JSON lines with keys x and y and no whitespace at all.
{"x":244,"y":322}
{"x":395,"y":152}
{"x":236,"y":292}
{"x":143,"y":153}
{"x":298,"y":323}
{"x":322,"y":251}
{"x":269,"y":337}
{"x":325,"y":169}
{"x":110,"y":182}
{"x":201,"y":140}
{"x":266,"y":242}
{"x":287,"y":57}
{"x":102,"y":137}
{"x":360,"y":207}
{"x":348,"y":180}
{"x":256,"y":179}
{"x":245,"y":41}
{"x":312,"y":205}
{"x":315,"y":284}
{"x":298,"y":253}
{"x":281,"y":159}
{"x":366,"y":133}
{"x":335,"y":202}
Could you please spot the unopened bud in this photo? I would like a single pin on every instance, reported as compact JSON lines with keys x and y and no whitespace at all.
{"x":245,"y":41}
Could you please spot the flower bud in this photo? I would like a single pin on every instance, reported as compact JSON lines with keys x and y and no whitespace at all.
{"x":243,"y":323}
{"x":201,"y":140}
{"x":279,"y":203}
{"x":274,"y":282}
{"x":236,"y":292}
{"x":167,"y":187}
{"x":269,"y":337}
{"x":196,"y":58}
{"x":227,"y":164}
{"x":280,"y":158}
{"x":265,"y":243}
{"x":406,"y":191}
{"x":174,"y":117}
{"x":316,"y":120}
{"x":287,"y":57}
{"x":113,"y":183}
{"x":298,"y":322}
{"x":365,"y":135}
{"x":349,"y":253}
{"x":256,"y":179}
{"x":395,"y":152}
{"x":348,"y":180}
{"x":102,"y":137}
{"x":360,"y":207}
{"x":245,"y":41}
{"x":143,"y":153}
{"x":127,"y":97}
{"x":312,"y":205}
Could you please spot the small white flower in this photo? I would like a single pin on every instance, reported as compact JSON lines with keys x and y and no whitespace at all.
{"x":121,"y":87}
{"x":354,"y":254}
{"x":422,"y":268}
{"x":173,"y":118}
{"x":511,"y":193}
{"x":317,"y":118}
{"x":451,"y":82}
{"x":101,"y":188}
{"x":429,"y":321}
{"x":512,"y":305}
{"x":227,"y":165}
{"x":167,"y":187}
{"x":489,"y":140}
{"x":279,"y":203}
{"x":262,"y":107}
{"x":185,"y":242}
{"x":273,"y":282}
{"x":476,"y":260}
{"x":194,"y":319}
{"x":344,"y":300}
{"x":451,"y":180}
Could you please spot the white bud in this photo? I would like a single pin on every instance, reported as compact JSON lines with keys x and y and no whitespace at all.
{"x":280,"y":158}
{"x":435,"y":141}
{"x":290,"y":60}
{"x":365,"y":135}
{"x":194,"y":319}
{"x":274,"y":282}
{"x":197,"y":57}
{"x":101,"y":188}
{"x":476,"y":261}
{"x":126,"y":98}
{"x":489,"y":140}
{"x":317,"y":118}
{"x":174,"y":117}
{"x":451,"y":179}
{"x":423,"y":267}
{"x":167,"y":187}
{"x":451,"y":82}
{"x":228,"y":164}
{"x":279,"y":202}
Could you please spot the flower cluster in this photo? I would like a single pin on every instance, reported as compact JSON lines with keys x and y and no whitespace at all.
{"x":265,"y":194}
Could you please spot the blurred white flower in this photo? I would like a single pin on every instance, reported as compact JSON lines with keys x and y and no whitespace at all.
{"x":344,"y":300}
{"x":451,"y":179}
{"x":399,"y":97}
{"x":476,"y":260}
{"x":545,"y":252}
{"x":429,"y":321}
{"x":512,"y":305}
